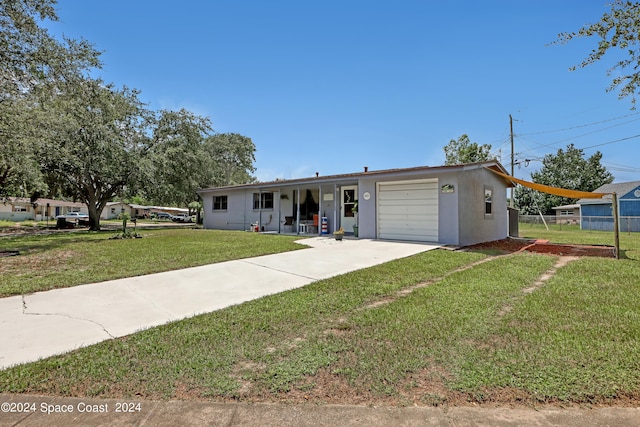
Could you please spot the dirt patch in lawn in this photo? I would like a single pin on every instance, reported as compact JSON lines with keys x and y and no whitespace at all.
{"x":24,"y":264}
{"x":511,"y":245}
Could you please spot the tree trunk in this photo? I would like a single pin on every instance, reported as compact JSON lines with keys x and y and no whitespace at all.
{"x":94,"y":215}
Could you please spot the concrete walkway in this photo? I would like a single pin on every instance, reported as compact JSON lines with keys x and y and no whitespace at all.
{"x":43,"y":324}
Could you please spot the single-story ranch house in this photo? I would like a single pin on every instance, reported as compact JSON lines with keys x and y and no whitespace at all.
{"x":567,"y":214}
{"x":597,"y":214}
{"x":21,"y":208}
{"x":457,"y":205}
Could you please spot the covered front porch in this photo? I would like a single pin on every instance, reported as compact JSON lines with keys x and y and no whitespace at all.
{"x":307,"y":209}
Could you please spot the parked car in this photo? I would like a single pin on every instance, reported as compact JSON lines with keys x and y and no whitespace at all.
{"x":74,"y":216}
{"x":162,"y":215}
{"x":181,"y":217}
{"x":72,"y":219}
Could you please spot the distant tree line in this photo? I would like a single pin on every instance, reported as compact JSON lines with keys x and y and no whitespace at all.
{"x":66,"y":134}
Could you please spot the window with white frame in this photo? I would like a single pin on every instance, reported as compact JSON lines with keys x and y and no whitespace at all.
{"x":488,"y":201}
{"x":262,"y":201}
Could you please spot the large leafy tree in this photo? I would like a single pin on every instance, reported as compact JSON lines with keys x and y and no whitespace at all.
{"x":96,"y":143}
{"x":618,"y":29}
{"x":463,"y":150}
{"x":32,"y":63}
{"x":566,"y":169}
{"x":68,"y":135}
{"x":230,"y":158}
{"x":19,"y":167}
{"x":176,"y":159}
{"x":185,"y":156}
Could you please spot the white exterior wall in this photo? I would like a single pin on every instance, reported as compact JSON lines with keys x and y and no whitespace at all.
{"x":240,"y":213}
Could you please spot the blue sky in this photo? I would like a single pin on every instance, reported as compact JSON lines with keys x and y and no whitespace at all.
{"x":334,"y":86}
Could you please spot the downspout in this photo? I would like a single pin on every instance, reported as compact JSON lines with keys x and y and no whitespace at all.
{"x":244,"y":214}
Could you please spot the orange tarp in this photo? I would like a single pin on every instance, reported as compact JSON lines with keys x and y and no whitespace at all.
{"x":572,"y":194}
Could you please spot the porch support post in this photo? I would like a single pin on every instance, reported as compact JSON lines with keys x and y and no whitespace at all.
{"x":298,"y":212}
{"x":319,"y":210}
{"x":260,"y":209}
{"x":279,"y":199}
{"x":336,"y":206}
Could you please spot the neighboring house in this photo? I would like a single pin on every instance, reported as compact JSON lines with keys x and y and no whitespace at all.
{"x":567,"y":214}
{"x":458,"y":205}
{"x":597,"y":214}
{"x":139,"y":211}
{"x":167,"y":209}
{"x":113,"y":210}
{"x":21,"y":208}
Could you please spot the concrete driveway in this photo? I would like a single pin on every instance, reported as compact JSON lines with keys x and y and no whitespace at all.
{"x":44,"y":324}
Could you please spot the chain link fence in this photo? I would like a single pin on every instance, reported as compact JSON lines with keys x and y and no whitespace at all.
{"x":573,"y":222}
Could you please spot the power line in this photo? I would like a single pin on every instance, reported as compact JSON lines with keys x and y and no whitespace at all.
{"x":580,"y":126}
{"x":611,"y":142}
{"x":552,"y":144}
{"x":595,"y":131}
{"x":621,"y":166}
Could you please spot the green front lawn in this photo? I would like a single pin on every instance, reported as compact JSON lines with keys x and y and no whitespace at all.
{"x":629,"y":242}
{"x":69,"y":259}
{"x":419,"y":330}
{"x":437,"y":328}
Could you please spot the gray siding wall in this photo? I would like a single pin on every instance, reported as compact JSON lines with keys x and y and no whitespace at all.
{"x":474,"y":225}
{"x":448,"y":210}
{"x":367,"y":209}
{"x":461,"y":216}
{"x":448,"y":231}
{"x":328,"y":208}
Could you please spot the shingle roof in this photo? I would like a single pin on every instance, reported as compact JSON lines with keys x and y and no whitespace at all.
{"x":356,"y":175}
{"x":620,"y":188}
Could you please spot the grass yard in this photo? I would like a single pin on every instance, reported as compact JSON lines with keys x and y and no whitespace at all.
{"x":68,"y":259}
{"x":629,"y":242}
{"x":438,"y":328}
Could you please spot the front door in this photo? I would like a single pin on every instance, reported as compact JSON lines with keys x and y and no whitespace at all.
{"x":347,"y":215}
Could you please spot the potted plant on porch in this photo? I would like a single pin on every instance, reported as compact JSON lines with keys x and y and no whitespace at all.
{"x":339,"y":234}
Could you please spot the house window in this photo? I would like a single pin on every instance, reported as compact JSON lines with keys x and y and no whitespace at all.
{"x":488,"y":201}
{"x":219,"y":203}
{"x":262,"y":201}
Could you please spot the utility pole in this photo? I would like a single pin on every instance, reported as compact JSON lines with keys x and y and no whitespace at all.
{"x":512,"y":157}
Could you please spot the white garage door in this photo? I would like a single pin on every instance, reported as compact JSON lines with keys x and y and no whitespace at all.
{"x":408,"y":210}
